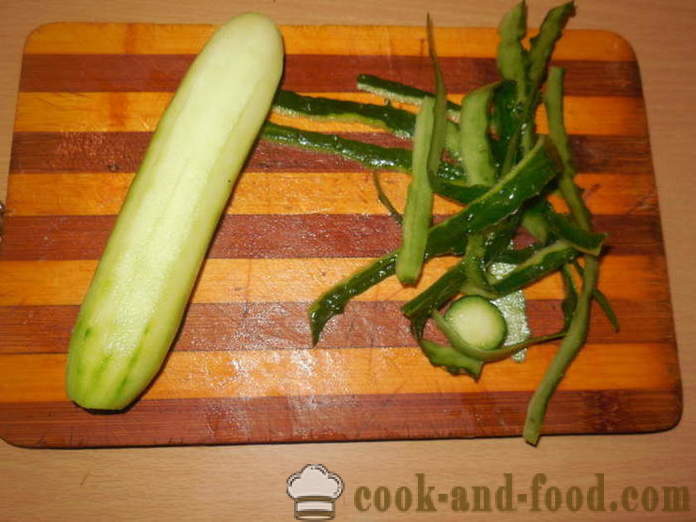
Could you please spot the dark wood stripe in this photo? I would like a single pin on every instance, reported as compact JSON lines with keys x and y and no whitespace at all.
{"x":629,"y":234}
{"x":112,"y":73}
{"x":276,"y":236}
{"x":123,"y":151}
{"x":261,"y":326}
{"x":335,"y":417}
{"x":619,"y":154}
{"x":238,"y":236}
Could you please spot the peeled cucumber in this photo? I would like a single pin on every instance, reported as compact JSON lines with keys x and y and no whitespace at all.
{"x":138,"y":295}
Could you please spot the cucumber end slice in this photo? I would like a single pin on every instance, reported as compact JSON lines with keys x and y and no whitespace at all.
{"x":478,"y":322}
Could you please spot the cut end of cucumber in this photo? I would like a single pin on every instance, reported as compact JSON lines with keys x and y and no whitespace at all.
{"x":478,"y":322}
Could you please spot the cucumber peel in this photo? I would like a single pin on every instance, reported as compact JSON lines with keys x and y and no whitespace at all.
{"x":135,"y":303}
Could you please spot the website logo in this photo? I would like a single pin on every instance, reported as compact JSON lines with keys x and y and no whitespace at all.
{"x":315,"y":490}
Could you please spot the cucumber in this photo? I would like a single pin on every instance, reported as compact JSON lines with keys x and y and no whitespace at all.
{"x":478,"y":322}
{"x":139,"y":292}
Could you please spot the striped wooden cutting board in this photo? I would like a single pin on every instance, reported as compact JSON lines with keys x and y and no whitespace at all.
{"x":242,"y":369}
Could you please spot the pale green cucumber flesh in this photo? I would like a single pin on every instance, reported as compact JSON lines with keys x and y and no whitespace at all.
{"x":478,"y":322}
{"x":139,"y":292}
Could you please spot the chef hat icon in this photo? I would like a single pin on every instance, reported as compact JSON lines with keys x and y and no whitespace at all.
{"x":314,"y":490}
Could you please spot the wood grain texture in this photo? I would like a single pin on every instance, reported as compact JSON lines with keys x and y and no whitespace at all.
{"x":305,"y":375}
{"x":140,"y":111}
{"x":283,"y":325}
{"x":267,"y":280}
{"x":82,"y":125}
{"x":281,"y":236}
{"x":87,"y":484}
{"x":345,"y":418}
{"x":295,"y":193}
{"x":155,"y":73}
{"x":134,"y":38}
{"x":122,"y":151}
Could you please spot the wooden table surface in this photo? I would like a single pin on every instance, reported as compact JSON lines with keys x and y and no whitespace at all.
{"x":248,"y":482}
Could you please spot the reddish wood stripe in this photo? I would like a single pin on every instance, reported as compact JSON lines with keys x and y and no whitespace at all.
{"x":148,"y":73}
{"x":123,"y":151}
{"x":276,"y":236}
{"x":620,"y":154}
{"x":335,"y":417}
{"x":265,"y":326}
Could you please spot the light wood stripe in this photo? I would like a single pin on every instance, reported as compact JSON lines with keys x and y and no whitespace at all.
{"x":296,"y":280}
{"x":140,"y":111}
{"x":65,"y":194}
{"x":83,"y":38}
{"x":188,"y":375}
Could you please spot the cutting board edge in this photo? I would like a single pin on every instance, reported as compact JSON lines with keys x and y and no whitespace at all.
{"x":666,"y":425}
{"x":670,"y":400}
{"x":626,"y":47}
